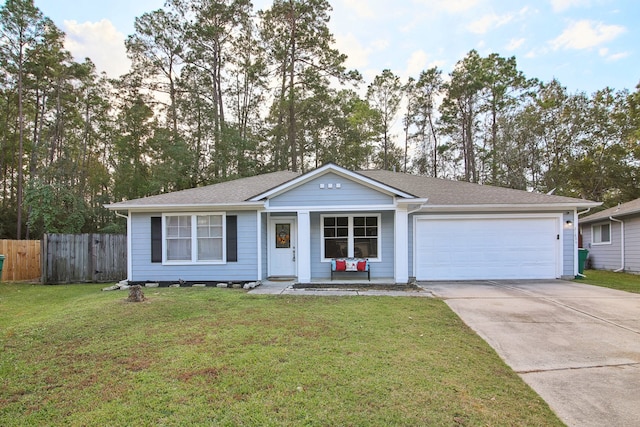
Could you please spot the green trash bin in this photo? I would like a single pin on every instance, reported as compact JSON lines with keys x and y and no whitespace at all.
{"x":582,"y":259}
{"x":1,"y":263}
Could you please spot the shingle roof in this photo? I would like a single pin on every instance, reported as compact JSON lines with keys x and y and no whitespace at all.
{"x":229,"y":192}
{"x":439,"y":192}
{"x":447,"y":192}
{"x":629,"y":208}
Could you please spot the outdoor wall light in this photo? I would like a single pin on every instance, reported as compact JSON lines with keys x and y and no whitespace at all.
{"x":569,"y":223}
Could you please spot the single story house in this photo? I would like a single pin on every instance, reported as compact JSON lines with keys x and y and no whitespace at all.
{"x":291,"y":225}
{"x":612,"y":237}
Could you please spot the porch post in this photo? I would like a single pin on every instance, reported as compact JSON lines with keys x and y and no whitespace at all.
{"x":259,"y":240}
{"x":401,"y":245}
{"x":304,"y":247}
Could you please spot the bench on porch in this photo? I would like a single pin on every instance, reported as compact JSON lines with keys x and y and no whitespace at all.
{"x":351,"y":265}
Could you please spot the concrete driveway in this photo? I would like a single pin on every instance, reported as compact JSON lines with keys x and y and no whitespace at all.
{"x":576,"y":345}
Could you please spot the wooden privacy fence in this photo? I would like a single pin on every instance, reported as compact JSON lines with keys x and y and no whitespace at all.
{"x":77,"y":258}
{"x":21,"y":260}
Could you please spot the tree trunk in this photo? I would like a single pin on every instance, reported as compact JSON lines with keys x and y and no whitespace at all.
{"x":135,"y":294}
{"x":292,"y":109}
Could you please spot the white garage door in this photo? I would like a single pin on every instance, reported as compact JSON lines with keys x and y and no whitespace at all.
{"x":485,"y":248}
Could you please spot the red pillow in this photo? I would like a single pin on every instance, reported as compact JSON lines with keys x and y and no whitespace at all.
{"x":362,"y":265}
{"x":341,"y":265}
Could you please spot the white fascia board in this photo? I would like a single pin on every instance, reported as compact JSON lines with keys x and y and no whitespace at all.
{"x":415,"y":201}
{"x":505,"y":207}
{"x":350,"y":208}
{"x":187,"y":207}
{"x":330,"y":167}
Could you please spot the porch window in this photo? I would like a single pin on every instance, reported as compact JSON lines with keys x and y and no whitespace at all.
{"x":601,"y":234}
{"x":351,"y":236}
{"x":194,"y":238}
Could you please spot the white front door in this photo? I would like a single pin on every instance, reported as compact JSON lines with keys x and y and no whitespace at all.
{"x":282,"y":247}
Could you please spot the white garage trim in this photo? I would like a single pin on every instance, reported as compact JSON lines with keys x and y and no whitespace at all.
{"x":487,"y":246}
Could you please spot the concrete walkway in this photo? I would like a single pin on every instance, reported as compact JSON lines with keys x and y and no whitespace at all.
{"x":286,"y":288}
{"x":576,"y":345}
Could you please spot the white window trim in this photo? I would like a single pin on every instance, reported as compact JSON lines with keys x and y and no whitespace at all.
{"x":194,"y":239}
{"x":351,"y":237}
{"x":593,"y":234}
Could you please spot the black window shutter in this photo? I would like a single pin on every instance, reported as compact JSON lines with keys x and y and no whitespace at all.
{"x":156,"y":239}
{"x":232,"y":238}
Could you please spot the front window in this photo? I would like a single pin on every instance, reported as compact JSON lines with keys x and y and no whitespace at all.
{"x":178,"y":238}
{"x":351,"y":236}
{"x":209,"y":237}
{"x":601,"y":233}
{"x":206,"y":244}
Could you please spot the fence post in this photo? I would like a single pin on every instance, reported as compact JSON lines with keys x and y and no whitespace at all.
{"x":43,"y":259}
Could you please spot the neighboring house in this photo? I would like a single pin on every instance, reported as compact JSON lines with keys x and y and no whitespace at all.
{"x":612,"y":237}
{"x":285,"y":224}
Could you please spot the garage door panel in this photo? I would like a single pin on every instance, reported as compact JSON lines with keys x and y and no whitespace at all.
{"x":487,"y":248}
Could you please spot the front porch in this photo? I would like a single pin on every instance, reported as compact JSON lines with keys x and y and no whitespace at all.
{"x":355,"y":287}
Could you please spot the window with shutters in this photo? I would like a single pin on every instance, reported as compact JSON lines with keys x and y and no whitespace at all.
{"x":194,"y":238}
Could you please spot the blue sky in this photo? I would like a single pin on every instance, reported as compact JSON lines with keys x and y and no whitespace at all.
{"x":586,"y":44}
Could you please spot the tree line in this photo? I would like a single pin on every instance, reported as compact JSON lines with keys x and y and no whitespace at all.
{"x":218,"y":90}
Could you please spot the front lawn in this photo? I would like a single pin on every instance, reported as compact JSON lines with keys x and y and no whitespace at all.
{"x":609,"y":279}
{"x":72,"y":355}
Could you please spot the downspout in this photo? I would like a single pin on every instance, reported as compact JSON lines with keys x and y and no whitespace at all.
{"x":584,"y":212}
{"x":418,"y":208}
{"x":621,"y":243}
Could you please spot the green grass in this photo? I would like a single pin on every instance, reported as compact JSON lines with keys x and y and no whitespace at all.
{"x":72,"y":355}
{"x":609,"y":279}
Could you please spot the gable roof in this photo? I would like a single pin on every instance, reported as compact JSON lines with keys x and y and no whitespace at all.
{"x":249,"y":193}
{"x":339,"y":170}
{"x":625,"y":209}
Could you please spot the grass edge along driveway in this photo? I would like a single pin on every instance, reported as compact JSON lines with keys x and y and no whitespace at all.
{"x":72,"y":355}
{"x":609,"y":279}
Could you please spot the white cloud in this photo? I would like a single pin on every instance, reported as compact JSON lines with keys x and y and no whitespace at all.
{"x":380,"y":44}
{"x":604,"y":52}
{"x":417,"y":62}
{"x":357,"y":55}
{"x":488,"y":22}
{"x":362,"y":8}
{"x":451,"y":6}
{"x":585,"y":35}
{"x":515,"y":44}
{"x":99,"y":41}
{"x":618,"y":56}
{"x":562,"y":5}
{"x":492,"y":20}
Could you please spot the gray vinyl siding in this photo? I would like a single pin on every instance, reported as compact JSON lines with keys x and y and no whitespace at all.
{"x":632,"y":244}
{"x":608,"y":257}
{"x":243,"y":270}
{"x":383,"y":269}
{"x":603,"y":256}
{"x":349,"y":194}
{"x":568,"y":248}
